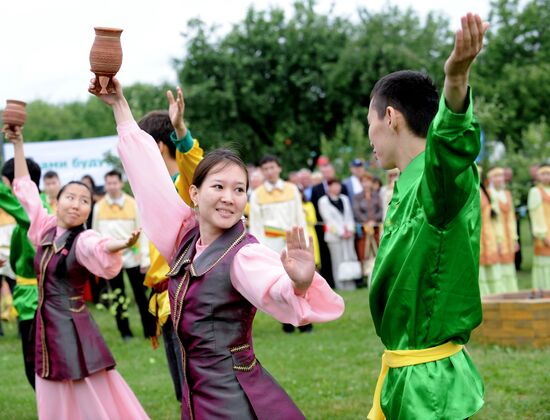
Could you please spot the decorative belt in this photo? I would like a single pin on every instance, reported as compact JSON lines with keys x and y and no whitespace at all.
{"x":24,"y":281}
{"x":402,"y":358}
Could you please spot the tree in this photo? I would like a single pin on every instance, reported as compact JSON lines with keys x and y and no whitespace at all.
{"x":514,"y":70}
{"x":281,"y":85}
{"x":76,"y":120}
{"x":537,"y":150}
{"x":265,"y":83}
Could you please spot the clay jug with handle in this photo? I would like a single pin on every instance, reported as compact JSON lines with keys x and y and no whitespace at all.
{"x":15,"y":113}
{"x":106,"y":57}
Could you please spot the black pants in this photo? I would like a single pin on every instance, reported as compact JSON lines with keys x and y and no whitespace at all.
{"x":173,"y":356}
{"x":289,"y":328}
{"x":25,"y":330}
{"x":97,"y":287}
{"x":326,"y":262}
{"x":117,"y":289}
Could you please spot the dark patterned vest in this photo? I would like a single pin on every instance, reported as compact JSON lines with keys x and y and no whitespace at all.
{"x":223,"y":378}
{"x":68,"y":344}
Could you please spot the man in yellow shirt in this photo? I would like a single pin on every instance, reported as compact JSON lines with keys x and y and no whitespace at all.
{"x":181,"y":154}
{"x":275,"y":207}
{"x":116,"y":215}
{"x":52,"y":185}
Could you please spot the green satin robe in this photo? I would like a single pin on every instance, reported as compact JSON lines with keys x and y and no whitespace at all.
{"x":25,"y":297}
{"x":425,"y":288}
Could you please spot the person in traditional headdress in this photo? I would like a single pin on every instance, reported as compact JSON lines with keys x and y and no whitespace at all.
{"x":539,"y":211}
{"x":505,"y":229}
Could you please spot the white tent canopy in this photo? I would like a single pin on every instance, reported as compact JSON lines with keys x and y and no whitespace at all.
{"x":71,"y":159}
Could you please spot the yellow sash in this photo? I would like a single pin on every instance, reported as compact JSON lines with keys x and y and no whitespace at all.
{"x":159,"y":306}
{"x":24,"y":281}
{"x":402,"y":358}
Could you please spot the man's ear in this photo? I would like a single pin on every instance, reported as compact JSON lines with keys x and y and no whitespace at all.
{"x":162,"y":147}
{"x":392,"y":117}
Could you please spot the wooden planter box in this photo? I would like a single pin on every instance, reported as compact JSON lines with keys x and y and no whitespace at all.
{"x":519,"y":319}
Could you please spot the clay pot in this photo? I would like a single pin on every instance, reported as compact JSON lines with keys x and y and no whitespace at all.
{"x":106,"y":57}
{"x":15,"y":113}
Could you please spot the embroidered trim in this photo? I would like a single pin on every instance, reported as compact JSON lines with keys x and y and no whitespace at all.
{"x":245,"y":368}
{"x":45,"y":260}
{"x":235,"y":243}
{"x":179,"y":303}
{"x":178,"y":263}
{"x":239,"y":348}
{"x":179,"y":309}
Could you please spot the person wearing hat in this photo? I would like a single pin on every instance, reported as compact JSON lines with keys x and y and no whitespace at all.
{"x":353,"y":183}
{"x":489,"y":265}
{"x":505,"y":229}
{"x":538,"y":204}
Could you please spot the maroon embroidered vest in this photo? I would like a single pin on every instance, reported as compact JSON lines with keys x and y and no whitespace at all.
{"x":68,"y":344}
{"x":223,"y":378}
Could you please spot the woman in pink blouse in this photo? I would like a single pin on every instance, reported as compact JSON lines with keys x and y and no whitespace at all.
{"x":75,"y":375}
{"x":219,"y":276}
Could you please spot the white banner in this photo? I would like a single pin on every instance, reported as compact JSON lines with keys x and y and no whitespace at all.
{"x":71,"y":159}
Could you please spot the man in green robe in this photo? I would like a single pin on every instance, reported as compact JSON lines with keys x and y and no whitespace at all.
{"x":425,"y":297}
{"x":25,"y":292}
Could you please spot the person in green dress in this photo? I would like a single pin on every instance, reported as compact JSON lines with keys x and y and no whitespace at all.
{"x":25,"y":292}
{"x":425,"y":297}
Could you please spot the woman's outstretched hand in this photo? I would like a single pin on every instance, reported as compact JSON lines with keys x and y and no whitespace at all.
{"x":115,"y":245}
{"x":298,"y":259}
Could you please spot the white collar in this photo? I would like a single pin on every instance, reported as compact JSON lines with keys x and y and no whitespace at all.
{"x":118,"y":201}
{"x":269,"y":187}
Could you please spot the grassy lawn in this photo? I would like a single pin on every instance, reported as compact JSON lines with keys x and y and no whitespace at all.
{"x":330,"y":373}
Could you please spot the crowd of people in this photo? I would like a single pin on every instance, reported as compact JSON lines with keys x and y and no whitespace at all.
{"x":500,"y":232}
{"x":205,"y":240}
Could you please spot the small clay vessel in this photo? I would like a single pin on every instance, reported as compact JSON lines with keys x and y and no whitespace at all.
{"x":106,"y":57}
{"x":15,"y":113}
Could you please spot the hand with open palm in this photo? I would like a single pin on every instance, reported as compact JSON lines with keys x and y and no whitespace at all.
{"x":468,"y":45}
{"x":298,"y":259}
{"x":176,"y":109}
{"x":115,"y":245}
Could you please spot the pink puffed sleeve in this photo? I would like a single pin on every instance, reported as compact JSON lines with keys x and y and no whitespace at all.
{"x":91,"y":252}
{"x":27,"y":193}
{"x":258,"y":274}
{"x":164,"y":215}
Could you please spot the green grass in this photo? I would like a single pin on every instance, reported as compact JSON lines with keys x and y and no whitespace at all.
{"x":330,"y":374}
